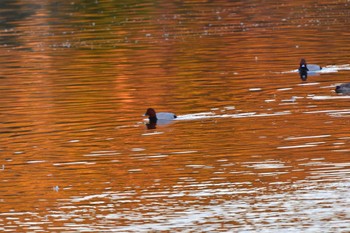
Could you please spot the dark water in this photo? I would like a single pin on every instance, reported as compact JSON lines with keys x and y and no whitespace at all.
{"x":254,"y":148}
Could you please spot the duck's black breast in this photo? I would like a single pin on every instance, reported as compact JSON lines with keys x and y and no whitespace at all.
{"x":153,"y":120}
{"x":303,"y":72}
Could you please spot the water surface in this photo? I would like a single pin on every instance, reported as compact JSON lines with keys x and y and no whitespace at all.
{"x":254,"y":148}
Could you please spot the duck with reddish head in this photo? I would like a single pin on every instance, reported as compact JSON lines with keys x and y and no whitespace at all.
{"x":160,"y":118}
{"x":305,"y":69}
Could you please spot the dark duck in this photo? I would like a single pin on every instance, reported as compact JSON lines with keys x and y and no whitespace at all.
{"x":343,"y":88}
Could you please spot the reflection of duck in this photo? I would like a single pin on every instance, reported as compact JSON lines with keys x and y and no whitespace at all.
{"x":343,"y":88}
{"x":305,"y":69}
{"x":160,"y":118}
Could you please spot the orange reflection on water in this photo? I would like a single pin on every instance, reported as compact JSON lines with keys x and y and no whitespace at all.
{"x":265,"y":151}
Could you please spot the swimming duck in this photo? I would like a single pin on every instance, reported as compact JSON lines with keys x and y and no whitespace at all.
{"x":343,"y":88}
{"x":160,"y":118}
{"x":304,"y":69}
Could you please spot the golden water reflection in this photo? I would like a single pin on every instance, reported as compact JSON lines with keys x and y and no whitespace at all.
{"x":253,"y":147}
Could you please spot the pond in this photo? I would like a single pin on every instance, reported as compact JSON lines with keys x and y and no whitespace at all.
{"x":253,"y":148}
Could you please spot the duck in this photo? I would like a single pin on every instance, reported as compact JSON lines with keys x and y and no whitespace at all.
{"x":343,"y":88}
{"x":160,"y":118}
{"x":305,"y":69}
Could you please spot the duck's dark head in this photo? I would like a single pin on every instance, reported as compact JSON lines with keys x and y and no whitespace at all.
{"x":150,"y":112}
{"x":303,"y":63}
{"x":338,"y":89}
{"x":152,"y":116}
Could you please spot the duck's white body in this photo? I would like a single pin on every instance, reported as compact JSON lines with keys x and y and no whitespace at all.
{"x":313,"y":68}
{"x":165,"y":116}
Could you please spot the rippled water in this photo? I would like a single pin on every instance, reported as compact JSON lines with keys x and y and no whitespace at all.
{"x":254,"y":148}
